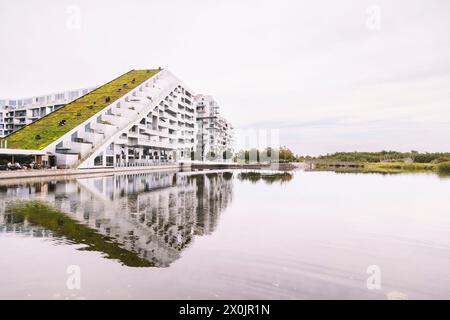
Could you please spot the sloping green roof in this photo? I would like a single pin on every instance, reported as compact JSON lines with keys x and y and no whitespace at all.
{"x":45,"y":130}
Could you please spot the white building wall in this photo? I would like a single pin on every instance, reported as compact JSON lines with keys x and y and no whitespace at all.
{"x":16,"y":113}
{"x":215,"y":134}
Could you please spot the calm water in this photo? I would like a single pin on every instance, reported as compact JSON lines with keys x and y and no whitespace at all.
{"x":226,"y":235}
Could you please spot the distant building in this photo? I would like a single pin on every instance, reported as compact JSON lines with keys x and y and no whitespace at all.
{"x":16,"y":113}
{"x":215,"y":133}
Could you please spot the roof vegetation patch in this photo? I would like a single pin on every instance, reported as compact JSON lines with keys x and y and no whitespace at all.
{"x":47,"y":129}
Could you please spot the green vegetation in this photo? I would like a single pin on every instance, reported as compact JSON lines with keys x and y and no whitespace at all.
{"x":373,"y":157}
{"x":284,"y":155}
{"x":267,"y":155}
{"x":443,"y":168}
{"x":398,"y":167}
{"x":44,"y":131}
{"x":58,"y":222}
{"x":383,"y":161}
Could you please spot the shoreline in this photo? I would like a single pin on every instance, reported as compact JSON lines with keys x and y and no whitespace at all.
{"x":440,"y":169}
{"x":39,"y":173}
{"x":67,"y":173}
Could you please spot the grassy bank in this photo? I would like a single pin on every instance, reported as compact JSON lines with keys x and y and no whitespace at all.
{"x":398,"y":167}
{"x":392,"y":167}
{"x":377,"y":157}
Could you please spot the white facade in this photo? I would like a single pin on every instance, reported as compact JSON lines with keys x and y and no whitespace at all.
{"x":215,"y":134}
{"x":154,"y":123}
{"x":16,"y":113}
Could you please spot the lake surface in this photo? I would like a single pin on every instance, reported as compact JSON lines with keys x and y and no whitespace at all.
{"x":226,"y":235}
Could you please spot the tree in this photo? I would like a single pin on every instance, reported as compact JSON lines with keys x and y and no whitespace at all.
{"x":286,"y":155}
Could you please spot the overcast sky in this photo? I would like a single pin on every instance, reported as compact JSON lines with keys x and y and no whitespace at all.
{"x":330,"y":75}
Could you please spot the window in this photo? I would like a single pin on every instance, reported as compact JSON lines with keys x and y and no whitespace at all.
{"x":110,"y":149}
{"x":87,"y":128}
{"x":73,"y":94}
{"x":98,"y":161}
{"x":109,"y":161}
{"x":59,"y":96}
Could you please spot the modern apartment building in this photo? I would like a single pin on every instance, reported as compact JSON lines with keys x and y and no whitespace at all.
{"x":215,"y":133}
{"x":140,"y":118}
{"x":16,"y":113}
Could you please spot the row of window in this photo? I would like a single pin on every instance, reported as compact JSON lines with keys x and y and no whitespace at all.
{"x":71,"y":95}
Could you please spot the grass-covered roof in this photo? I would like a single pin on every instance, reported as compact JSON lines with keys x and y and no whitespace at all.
{"x":45,"y":130}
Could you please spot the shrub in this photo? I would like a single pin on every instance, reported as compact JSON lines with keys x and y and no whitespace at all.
{"x":442,"y":159}
{"x":444,"y":168}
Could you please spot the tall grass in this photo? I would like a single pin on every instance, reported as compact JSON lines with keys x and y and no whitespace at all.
{"x":399,"y":167}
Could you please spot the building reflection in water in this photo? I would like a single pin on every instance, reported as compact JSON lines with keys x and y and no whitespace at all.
{"x":269,"y":177}
{"x":140,"y":219}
